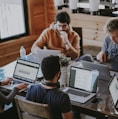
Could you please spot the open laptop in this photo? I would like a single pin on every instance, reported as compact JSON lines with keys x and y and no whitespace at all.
{"x":42,"y":53}
{"x":25,"y":71}
{"x":113,"y":89}
{"x":82,"y":84}
{"x":38,"y":57}
{"x":104,"y":73}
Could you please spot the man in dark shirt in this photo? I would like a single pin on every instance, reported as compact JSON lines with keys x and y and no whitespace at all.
{"x":48,"y":92}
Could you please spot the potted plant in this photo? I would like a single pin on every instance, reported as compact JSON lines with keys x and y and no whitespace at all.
{"x":64,"y":62}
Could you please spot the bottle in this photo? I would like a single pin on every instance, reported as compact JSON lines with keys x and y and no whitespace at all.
{"x":23,"y":53}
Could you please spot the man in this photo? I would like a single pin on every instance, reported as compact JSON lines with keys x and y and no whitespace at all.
{"x":109,"y":49}
{"x":60,"y":36}
{"x":48,"y":92}
{"x":7,"y":99}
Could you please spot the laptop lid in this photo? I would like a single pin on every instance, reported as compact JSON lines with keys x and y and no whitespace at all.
{"x":83,"y":79}
{"x":42,"y":53}
{"x":104,"y":72}
{"x":113,"y":89}
{"x":26,"y":71}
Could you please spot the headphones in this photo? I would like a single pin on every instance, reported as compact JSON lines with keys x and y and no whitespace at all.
{"x":51,"y":84}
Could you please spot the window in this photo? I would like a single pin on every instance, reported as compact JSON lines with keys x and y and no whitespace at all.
{"x":13,"y":17}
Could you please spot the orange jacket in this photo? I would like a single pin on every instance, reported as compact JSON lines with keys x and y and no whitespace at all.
{"x":50,"y":38}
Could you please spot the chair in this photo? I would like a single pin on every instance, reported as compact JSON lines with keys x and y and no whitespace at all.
{"x":79,"y":31}
{"x":31,"y":110}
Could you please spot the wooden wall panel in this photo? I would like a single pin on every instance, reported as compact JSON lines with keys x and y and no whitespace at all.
{"x":38,"y":18}
{"x":38,"y":24}
{"x":50,"y":13}
{"x":9,"y":51}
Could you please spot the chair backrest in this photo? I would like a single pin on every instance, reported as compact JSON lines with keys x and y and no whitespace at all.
{"x":79,"y":31}
{"x":31,"y":110}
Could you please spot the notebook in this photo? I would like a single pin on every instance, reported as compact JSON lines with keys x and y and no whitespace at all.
{"x":104,"y":72}
{"x":41,"y":53}
{"x":113,"y":89}
{"x":82,"y":84}
{"x":25,"y":71}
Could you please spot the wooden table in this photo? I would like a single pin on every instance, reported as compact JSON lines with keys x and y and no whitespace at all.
{"x":101,"y":108}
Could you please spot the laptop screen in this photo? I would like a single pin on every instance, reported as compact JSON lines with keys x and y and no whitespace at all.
{"x":83,"y":79}
{"x":104,"y":73}
{"x":26,"y":71}
{"x":113,"y":88}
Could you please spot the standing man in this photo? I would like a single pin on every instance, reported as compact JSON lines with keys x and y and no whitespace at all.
{"x":109,"y":49}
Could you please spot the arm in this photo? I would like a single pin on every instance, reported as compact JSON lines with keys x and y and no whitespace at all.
{"x":68,"y":115}
{"x":40,"y":42}
{"x":66,"y":108}
{"x":101,"y":57}
{"x":9,"y":98}
{"x":72,"y":50}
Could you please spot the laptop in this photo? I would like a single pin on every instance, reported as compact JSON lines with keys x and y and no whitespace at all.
{"x":42,"y":53}
{"x":25,"y":71}
{"x":113,"y":89}
{"x":104,"y":73}
{"x":82,"y":84}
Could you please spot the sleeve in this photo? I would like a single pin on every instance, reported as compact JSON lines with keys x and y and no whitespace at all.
{"x":66,"y":105}
{"x":9,"y":98}
{"x":105,"y":44}
{"x":76,"y":42}
{"x":42,"y":40}
{"x":30,"y":94}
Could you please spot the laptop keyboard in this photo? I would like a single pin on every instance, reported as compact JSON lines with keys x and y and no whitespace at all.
{"x":83,"y":94}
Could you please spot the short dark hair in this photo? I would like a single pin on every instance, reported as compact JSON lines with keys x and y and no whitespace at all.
{"x":63,"y":17}
{"x":111,"y":25}
{"x":50,"y":66}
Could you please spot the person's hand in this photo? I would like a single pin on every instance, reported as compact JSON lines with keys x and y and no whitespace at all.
{"x":21,"y":86}
{"x":64,"y":36}
{"x":6,"y":81}
{"x":101,"y":57}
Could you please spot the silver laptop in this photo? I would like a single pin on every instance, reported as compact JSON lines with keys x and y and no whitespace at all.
{"x":25,"y":71}
{"x":42,"y":53}
{"x":104,"y":72}
{"x":82,"y":84}
{"x":113,"y":89}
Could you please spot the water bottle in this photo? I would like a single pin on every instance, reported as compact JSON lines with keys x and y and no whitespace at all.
{"x":23,"y":53}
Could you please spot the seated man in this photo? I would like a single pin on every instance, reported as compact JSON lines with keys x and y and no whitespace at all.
{"x":109,"y":49}
{"x":60,"y":36}
{"x":48,"y":92}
